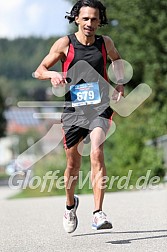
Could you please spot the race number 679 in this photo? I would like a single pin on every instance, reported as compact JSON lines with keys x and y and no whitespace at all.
{"x":84,"y":95}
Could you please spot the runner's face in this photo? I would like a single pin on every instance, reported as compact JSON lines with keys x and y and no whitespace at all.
{"x":88,"y":21}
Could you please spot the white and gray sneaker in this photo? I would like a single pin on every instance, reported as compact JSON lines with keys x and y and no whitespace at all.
{"x":70,"y":220}
{"x":100,"y":221}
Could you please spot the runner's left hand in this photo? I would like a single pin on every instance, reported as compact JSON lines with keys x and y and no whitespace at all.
{"x":118,"y":92}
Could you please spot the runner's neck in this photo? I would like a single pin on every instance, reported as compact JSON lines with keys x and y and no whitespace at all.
{"x":85,"y":40}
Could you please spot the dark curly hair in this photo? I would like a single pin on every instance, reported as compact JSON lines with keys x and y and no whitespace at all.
{"x":90,"y":3}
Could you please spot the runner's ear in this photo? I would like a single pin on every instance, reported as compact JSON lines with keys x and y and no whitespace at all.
{"x":77,"y":20}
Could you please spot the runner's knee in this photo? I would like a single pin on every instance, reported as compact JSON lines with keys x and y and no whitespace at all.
{"x":97,"y":156}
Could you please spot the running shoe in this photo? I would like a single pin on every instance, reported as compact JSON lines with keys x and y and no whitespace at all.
{"x":70,"y":220}
{"x":100,"y":221}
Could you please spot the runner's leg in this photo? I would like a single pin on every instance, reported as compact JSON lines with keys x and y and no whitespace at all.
{"x":98,"y":169}
{"x":71,"y":173}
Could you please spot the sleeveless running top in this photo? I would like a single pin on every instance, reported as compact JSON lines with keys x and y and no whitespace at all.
{"x":96,"y":56}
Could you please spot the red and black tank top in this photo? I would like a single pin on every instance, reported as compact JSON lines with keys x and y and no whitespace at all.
{"x":94,"y":54}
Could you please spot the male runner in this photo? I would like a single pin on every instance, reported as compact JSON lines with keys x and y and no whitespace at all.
{"x":84,"y":115}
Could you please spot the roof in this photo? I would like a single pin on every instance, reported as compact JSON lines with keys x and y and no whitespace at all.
{"x":22,"y":116}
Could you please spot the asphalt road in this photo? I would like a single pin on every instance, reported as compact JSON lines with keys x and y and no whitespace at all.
{"x":35,"y":225}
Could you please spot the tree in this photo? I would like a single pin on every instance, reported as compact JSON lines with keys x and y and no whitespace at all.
{"x":16,"y":70}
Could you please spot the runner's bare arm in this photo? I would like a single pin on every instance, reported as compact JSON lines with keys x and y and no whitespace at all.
{"x":111,"y":50}
{"x":117,"y":65}
{"x":57,"y":52}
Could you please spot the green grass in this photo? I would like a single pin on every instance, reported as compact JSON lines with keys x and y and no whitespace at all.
{"x":3,"y":175}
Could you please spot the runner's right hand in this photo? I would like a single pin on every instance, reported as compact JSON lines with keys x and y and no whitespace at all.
{"x":58,"y":80}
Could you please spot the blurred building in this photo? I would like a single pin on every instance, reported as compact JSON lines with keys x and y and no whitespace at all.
{"x":21,"y":120}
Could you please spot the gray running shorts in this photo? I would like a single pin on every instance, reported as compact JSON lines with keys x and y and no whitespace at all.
{"x":77,"y":126}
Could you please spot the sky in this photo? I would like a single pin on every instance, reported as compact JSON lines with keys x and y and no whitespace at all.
{"x":41,"y":18}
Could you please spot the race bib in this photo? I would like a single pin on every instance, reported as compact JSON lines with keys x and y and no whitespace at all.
{"x":85,"y":94}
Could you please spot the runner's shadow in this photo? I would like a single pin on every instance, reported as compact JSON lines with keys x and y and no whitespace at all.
{"x":124,"y":232}
{"x":128,"y":241}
